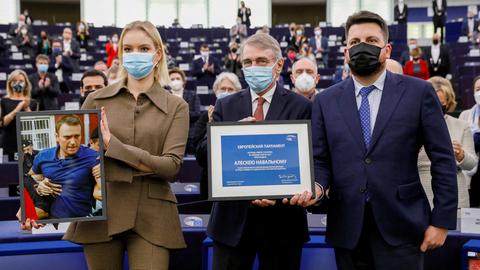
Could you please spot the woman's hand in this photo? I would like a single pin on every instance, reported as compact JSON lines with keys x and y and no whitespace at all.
{"x":458,"y":151}
{"x":106,"y":135}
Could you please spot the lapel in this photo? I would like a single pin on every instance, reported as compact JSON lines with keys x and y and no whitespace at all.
{"x":391,"y":94}
{"x":347,"y":105}
{"x":277,"y":104}
{"x":245,"y":103}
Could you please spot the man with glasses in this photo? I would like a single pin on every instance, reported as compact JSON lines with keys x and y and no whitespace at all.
{"x":273,"y":230}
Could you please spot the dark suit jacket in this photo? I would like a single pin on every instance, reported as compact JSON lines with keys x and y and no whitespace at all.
{"x":193,"y":101}
{"x":409,"y":116}
{"x":313,"y":44}
{"x":67,"y":69}
{"x":465,"y":30}
{"x":442,"y":66}
{"x":248,"y":13}
{"x":280,"y":223}
{"x":205,"y":77}
{"x":46,"y":97}
{"x":75,"y":46}
{"x":437,"y":13}
{"x":401,"y":17}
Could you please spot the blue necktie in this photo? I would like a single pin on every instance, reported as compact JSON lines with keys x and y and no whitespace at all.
{"x":364,"y":112}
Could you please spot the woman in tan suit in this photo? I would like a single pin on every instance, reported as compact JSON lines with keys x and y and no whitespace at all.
{"x":144,"y":130}
{"x":462,"y":143}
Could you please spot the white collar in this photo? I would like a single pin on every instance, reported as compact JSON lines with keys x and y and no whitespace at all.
{"x":379,"y":83}
{"x":267,"y":96}
{"x":178,"y":93}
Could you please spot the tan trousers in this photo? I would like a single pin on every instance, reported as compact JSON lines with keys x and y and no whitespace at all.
{"x":142,"y":255}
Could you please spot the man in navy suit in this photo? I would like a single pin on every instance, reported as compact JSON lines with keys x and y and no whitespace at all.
{"x":470,"y":26}
{"x":275,"y":230}
{"x":205,"y":68}
{"x":367,"y":132}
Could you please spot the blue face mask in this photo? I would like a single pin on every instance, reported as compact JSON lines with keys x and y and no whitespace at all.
{"x":57,"y":50}
{"x":138,"y":65}
{"x":222,"y":95}
{"x":42,"y":68}
{"x":258,"y":78}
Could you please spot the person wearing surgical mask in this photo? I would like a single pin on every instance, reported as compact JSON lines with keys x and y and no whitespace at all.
{"x":400,"y":12}
{"x":226,"y":84}
{"x":24,"y":41}
{"x":299,"y":38}
{"x":305,"y":78}
{"x":62,"y":65}
{"x":178,"y":81}
{"x":406,"y":56}
{"x":18,"y":99}
{"x":45,"y":87}
{"x":83,"y":35}
{"x":144,"y":130}
{"x":112,"y":49}
{"x":472,"y":117}
{"x":242,"y":229}
{"x":366,"y":135}
{"x":206,"y":67}
{"x":17,"y":27}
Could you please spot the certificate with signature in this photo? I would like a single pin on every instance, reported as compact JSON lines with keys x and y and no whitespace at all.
{"x":269,"y":159}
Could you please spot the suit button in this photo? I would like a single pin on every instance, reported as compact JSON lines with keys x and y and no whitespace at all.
{"x":368,"y":160}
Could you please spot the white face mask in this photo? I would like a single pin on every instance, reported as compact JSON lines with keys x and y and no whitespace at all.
{"x":299,"y":32}
{"x":477,"y":97}
{"x":304,"y":83}
{"x":318,"y":33}
{"x":412,"y":46}
{"x":114,"y":39}
{"x":204,"y":54}
{"x":24,"y":31}
{"x":176,"y":85}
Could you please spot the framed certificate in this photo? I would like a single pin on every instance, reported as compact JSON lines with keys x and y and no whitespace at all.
{"x":260,"y":160}
{"x":61,"y":166}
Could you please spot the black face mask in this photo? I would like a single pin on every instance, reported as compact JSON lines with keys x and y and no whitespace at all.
{"x":82,"y":99}
{"x":233,"y":50}
{"x":364,"y":59}
{"x":435,"y":41}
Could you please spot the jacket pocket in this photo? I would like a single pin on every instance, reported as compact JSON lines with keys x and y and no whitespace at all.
{"x":410,"y":190}
{"x":161,"y":192}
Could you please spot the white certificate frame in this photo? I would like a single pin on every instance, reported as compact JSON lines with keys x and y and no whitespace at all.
{"x":218,"y":192}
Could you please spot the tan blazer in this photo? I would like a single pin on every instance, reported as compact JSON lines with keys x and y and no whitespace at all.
{"x":459,"y":131}
{"x":153,"y":131}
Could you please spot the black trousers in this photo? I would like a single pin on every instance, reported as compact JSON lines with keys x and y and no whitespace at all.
{"x":373,"y":253}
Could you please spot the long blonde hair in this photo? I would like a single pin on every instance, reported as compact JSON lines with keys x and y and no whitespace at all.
{"x":444,"y":85}
{"x":27,"y":91}
{"x":161,"y":70}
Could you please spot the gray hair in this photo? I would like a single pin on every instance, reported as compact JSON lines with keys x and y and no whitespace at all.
{"x":227,"y":76}
{"x":314,"y":64}
{"x":263,"y":41}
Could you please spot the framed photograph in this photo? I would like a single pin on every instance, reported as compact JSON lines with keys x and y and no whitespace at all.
{"x":61,"y":166}
{"x":261,"y":160}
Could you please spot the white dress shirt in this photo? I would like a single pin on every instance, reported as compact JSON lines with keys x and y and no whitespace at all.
{"x":268,"y":99}
{"x":373,"y":99}
{"x":435,"y":52}
{"x":470,"y":25}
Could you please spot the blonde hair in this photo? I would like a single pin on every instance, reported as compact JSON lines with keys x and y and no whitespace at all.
{"x":160,"y":70}
{"x":444,"y":85}
{"x":28,"y":86}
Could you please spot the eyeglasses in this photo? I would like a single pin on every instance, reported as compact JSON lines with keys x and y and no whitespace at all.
{"x":260,"y":61}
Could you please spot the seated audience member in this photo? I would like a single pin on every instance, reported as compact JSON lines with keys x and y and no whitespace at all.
{"x":299,"y":38}
{"x":101,"y":66}
{"x":471,"y":26}
{"x":417,"y":67}
{"x":292,"y":56}
{"x":405,"y":57}
{"x":62,"y":65}
{"x":342,"y":73}
{"x":305,"y":51}
{"x":177,"y":85}
{"x":83,"y":35}
{"x":44,"y":44}
{"x":472,"y":117}
{"x":24,"y":41}
{"x":65,"y":172}
{"x":238,"y":32}
{"x":462,"y":143}
{"x":438,"y":58}
{"x":305,"y":78}
{"x":45,"y":87}
{"x":232,"y":60}
{"x":227,"y":83}
{"x":319,"y":45}
{"x":71,"y":48}
{"x":16,"y":28}
{"x":17,"y":99}
{"x":92,"y":80}
{"x":112,"y":49}
{"x":205,"y":68}
{"x":394,"y":66}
